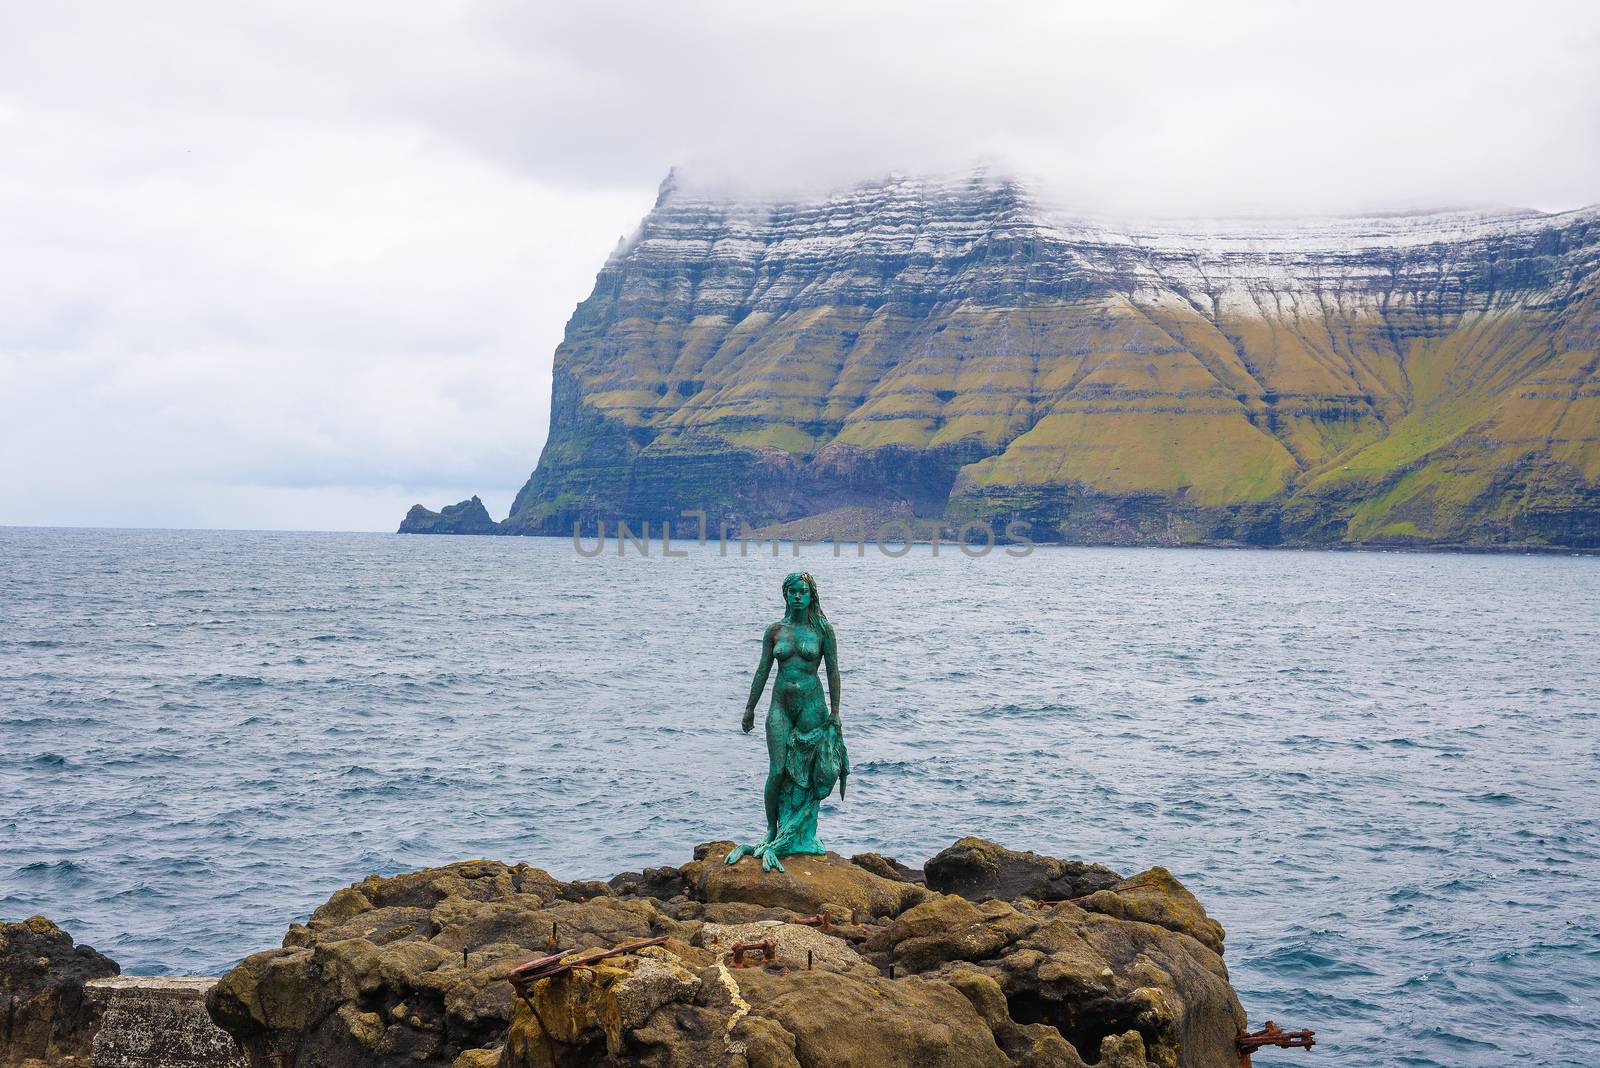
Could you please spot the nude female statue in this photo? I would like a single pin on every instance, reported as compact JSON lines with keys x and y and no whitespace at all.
{"x":805,"y":746}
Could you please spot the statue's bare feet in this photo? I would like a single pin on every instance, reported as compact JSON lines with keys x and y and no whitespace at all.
{"x":738,"y":853}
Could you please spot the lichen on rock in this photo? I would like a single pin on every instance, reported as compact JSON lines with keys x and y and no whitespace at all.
{"x":1156,"y":897}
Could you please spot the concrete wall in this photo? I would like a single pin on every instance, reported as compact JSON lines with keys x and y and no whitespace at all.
{"x":158,"y":1021}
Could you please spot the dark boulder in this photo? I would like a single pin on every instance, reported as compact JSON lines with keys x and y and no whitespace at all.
{"x":44,"y":1016}
{"x":887,"y":867}
{"x":978,"y":869}
{"x":663,"y":883}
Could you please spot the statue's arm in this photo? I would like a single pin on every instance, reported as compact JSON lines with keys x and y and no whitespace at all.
{"x":763,"y":670}
{"x":830,"y":656}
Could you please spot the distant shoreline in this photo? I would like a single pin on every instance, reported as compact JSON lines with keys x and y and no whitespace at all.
{"x":953,"y":546}
{"x":1352,"y":547}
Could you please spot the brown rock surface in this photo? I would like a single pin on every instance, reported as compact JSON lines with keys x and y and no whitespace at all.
{"x":807,"y":885}
{"x":412,"y":971}
{"x":1156,"y":897}
{"x":844,"y":1022}
{"x":413,"y":968}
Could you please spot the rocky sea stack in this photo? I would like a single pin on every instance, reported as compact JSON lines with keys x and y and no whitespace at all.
{"x":989,"y":958}
{"x":467,"y":517}
{"x":957,"y":351}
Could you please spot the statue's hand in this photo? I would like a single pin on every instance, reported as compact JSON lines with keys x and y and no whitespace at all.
{"x":748,"y":724}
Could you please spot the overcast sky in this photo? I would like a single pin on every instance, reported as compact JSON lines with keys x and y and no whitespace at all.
{"x":302,"y":264}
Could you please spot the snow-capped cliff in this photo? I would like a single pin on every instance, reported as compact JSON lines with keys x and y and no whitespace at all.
{"x":963,"y":348}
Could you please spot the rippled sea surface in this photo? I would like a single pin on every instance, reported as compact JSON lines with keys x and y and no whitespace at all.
{"x":1379,"y":771}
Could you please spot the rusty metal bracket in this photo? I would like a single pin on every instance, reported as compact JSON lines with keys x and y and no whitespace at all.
{"x":767,"y":950}
{"x":523,"y":975}
{"x":1272,"y":1035}
{"x":825,"y":923}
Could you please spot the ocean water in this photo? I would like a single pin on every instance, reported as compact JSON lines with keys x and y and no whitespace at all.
{"x":1379,"y":771}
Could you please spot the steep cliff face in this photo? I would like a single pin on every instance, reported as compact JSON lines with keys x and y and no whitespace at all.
{"x":959,"y":348}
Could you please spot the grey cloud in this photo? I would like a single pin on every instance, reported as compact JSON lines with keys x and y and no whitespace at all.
{"x":299,"y":264}
{"x":1168,"y":107}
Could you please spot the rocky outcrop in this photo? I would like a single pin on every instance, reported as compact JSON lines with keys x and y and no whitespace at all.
{"x":959,"y":350}
{"x":467,"y":517}
{"x":45,"y":1017}
{"x":413,"y":970}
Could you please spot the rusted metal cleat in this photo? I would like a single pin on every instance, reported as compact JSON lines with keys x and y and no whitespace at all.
{"x":523,"y":975}
{"x":765,"y":948}
{"x":820,"y":921}
{"x":1272,"y":1035}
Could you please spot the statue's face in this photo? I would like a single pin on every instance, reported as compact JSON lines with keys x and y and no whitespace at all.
{"x":797,"y":595}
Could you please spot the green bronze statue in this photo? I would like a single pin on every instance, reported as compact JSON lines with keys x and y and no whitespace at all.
{"x":805,"y":746}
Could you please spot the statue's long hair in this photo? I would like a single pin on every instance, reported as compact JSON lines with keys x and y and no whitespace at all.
{"x":815,"y":617}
